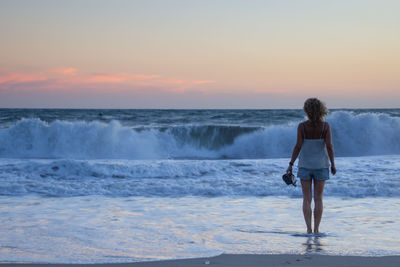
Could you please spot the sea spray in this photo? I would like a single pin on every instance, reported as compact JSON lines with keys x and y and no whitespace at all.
{"x":363,"y":134}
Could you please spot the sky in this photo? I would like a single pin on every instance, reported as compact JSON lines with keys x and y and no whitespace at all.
{"x":199,"y":54}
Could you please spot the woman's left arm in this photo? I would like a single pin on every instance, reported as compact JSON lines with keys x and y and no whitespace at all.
{"x":329,"y":148}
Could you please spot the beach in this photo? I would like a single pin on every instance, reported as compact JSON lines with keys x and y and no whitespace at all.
{"x":149,"y":186}
{"x":237,"y":260}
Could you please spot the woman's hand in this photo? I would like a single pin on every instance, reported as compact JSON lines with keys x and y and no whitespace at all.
{"x":333,"y":170}
{"x":289,"y":169}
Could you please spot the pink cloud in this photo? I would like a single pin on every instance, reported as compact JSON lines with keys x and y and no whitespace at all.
{"x":203,"y":82}
{"x":106,"y":78}
{"x":140,"y":77}
{"x":9,"y":77}
{"x":116,"y":78}
{"x":71,"y":79}
{"x":66,"y":71}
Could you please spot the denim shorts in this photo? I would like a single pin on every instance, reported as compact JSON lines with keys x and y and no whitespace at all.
{"x":317,"y":174}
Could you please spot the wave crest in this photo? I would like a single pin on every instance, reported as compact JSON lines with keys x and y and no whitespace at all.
{"x":353,"y":135}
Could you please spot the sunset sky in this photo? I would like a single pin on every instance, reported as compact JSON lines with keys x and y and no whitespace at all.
{"x":199,"y":54}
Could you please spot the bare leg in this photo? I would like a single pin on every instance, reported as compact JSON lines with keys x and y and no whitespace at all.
{"x":318,"y":205}
{"x":307,"y":197}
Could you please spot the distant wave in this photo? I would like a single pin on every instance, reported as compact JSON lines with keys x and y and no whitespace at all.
{"x":353,"y":135}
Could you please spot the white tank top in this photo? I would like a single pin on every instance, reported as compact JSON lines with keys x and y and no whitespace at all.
{"x":313,"y":153}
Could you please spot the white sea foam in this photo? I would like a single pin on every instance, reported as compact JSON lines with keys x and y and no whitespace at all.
{"x":357,"y":177}
{"x":353,"y":135}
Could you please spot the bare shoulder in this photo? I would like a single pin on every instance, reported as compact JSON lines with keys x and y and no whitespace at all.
{"x":327,"y":126}
{"x":301,"y":125}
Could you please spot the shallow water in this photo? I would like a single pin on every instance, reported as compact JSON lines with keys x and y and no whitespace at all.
{"x":101,"y":229}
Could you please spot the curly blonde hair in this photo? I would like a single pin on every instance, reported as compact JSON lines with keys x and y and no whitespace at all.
{"x":315,"y":109}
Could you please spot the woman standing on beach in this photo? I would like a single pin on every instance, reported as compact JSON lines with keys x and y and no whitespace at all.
{"x":314,"y":144}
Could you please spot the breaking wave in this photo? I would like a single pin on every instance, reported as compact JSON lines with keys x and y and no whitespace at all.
{"x":353,"y":135}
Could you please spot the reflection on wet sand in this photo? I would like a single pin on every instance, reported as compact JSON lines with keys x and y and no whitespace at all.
{"x":313,"y":244}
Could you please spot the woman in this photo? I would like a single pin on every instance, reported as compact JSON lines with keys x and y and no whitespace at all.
{"x":314,"y":144}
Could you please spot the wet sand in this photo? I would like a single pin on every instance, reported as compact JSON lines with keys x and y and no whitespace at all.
{"x":245,"y":260}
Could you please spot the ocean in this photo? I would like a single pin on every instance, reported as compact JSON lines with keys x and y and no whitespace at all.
{"x":99,"y":186}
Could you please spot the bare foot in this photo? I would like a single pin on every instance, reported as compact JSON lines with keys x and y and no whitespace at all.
{"x":309,"y":231}
{"x":316,"y":231}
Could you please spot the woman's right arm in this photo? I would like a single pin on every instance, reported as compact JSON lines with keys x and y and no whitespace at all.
{"x":329,"y":148}
{"x":297,"y":147}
